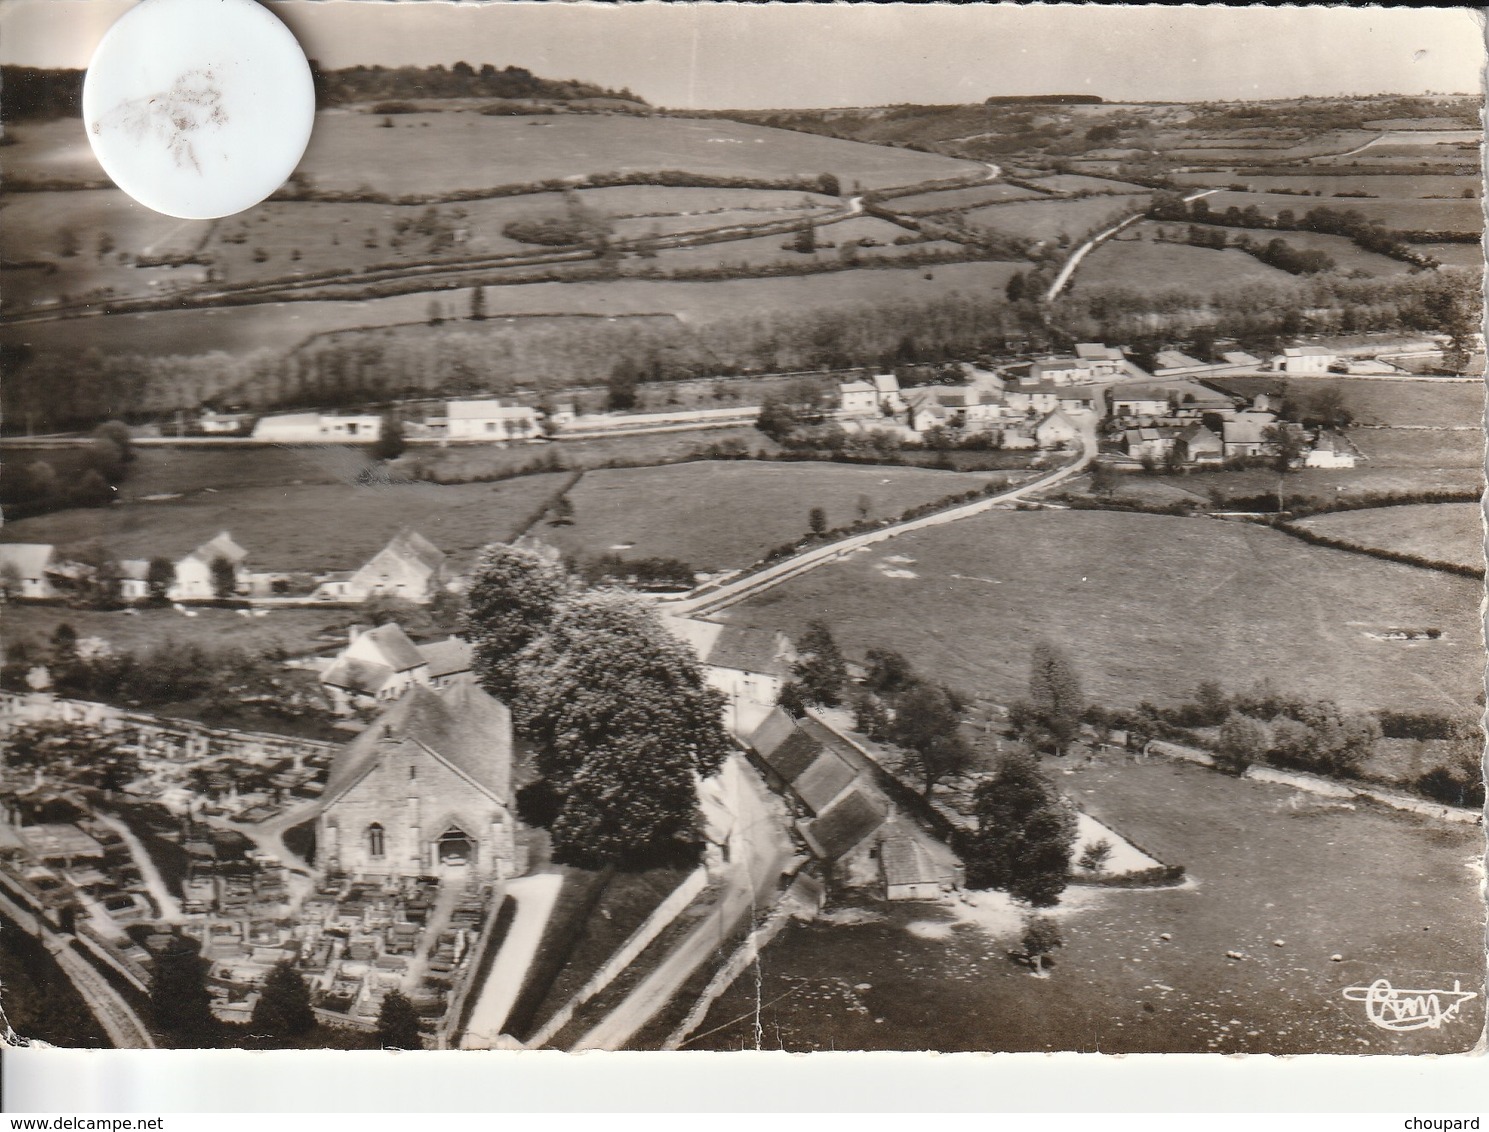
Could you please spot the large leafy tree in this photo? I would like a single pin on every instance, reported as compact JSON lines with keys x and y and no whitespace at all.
{"x":927,"y":724}
{"x":820,"y":672}
{"x":1055,"y":693}
{"x":510,"y":602}
{"x":160,"y":576}
{"x":283,"y":1009}
{"x":178,"y":994}
{"x":1243,"y":740}
{"x":1025,"y":834}
{"x":398,"y":1023}
{"x":623,"y":725}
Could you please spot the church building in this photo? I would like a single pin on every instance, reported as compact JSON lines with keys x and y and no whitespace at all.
{"x":425,"y":790}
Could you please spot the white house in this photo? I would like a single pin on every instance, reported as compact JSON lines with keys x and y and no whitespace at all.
{"x":318,"y":428}
{"x":23,"y":570}
{"x":213,"y":423}
{"x":491,"y":420}
{"x":1140,"y":401}
{"x":1329,"y":452}
{"x":194,"y":581}
{"x":857,"y":399}
{"x":1037,"y":399}
{"x":1100,"y":360}
{"x":750,"y":666}
{"x":1058,"y":371}
{"x":380,"y":665}
{"x":1304,"y":359}
{"x":1056,"y":431}
{"x":887,"y":390}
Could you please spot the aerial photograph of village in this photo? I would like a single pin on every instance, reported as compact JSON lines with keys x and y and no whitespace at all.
{"x":710,"y":527}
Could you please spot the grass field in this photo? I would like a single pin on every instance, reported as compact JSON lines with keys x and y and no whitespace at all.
{"x":444,"y":151}
{"x":1138,"y":262}
{"x":1411,"y":214}
{"x":1325,"y":185}
{"x":723,"y":515}
{"x":1454,"y":255}
{"x":919,"y":977}
{"x":1148,"y":606}
{"x":1078,"y":183}
{"x":1050,"y":219}
{"x":297,"y":630}
{"x":974,"y":197}
{"x":1420,"y":448}
{"x":454,"y":149}
{"x":311,"y":527}
{"x":242,"y":329}
{"x":1447,"y":532}
{"x":82,"y":235}
{"x":1417,"y":404}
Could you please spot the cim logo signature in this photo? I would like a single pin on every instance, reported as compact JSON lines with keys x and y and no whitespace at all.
{"x":1393,"y":1009}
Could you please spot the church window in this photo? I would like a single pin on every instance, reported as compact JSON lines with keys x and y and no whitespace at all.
{"x":374,"y":840}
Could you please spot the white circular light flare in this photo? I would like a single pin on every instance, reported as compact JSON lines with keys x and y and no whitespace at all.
{"x":198,"y":108}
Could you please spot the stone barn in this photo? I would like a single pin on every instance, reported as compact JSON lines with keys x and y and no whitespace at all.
{"x":425,"y":790}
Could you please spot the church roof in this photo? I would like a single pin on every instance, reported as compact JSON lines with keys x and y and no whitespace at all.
{"x":447,"y":657}
{"x":461,"y":726}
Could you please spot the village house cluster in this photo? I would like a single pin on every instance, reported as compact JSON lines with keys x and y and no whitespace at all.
{"x":409,"y":568}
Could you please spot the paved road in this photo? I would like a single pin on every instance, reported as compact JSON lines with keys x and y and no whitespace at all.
{"x":760,"y":850}
{"x":734,"y":592}
{"x":535,"y":896}
{"x":1101,"y":237}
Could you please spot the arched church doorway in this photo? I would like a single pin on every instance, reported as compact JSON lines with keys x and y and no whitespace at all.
{"x":455,"y":848}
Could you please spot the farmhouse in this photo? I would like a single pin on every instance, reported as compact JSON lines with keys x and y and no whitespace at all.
{"x":382,"y":664}
{"x":1139,"y":401}
{"x":1172,"y":361}
{"x":1243,"y":435}
{"x":23,"y":570}
{"x":409,"y":567}
{"x":1034,"y":399}
{"x":1056,"y":431}
{"x":490,"y":420}
{"x":857,"y":399}
{"x":1198,"y":445}
{"x":1149,"y":443}
{"x":1057,"y":371}
{"x":1329,"y":452}
{"x":845,"y":818}
{"x":424,"y":791}
{"x":1100,"y":360}
{"x":321,"y":428}
{"x":194,"y":581}
{"x":1304,"y":359}
{"x":749,"y":666}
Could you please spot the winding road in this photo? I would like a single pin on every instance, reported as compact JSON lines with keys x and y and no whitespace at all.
{"x":1101,"y":237}
{"x":731,"y":593}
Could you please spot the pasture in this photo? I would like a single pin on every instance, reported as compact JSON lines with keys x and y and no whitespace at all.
{"x":1454,"y":255}
{"x":1402,"y":404}
{"x":1054,"y":219}
{"x":301,"y":528}
{"x":243,"y":329}
{"x":1446,"y":532}
{"x":1138,"y":262}
{"x":1148,"y":606}
{"x":1324,"y":184}
{"x":298,"y":631}
{"x":1079,"y":183}
{"x":1409,"y":214}
{"x":89,"y":239}
{"x":1343,"y":251}
{"x":445,"y":151}
{"x":454,"y":149}
{"x":726,"y":515}
{"x":918,"y":977}
{"x":1420,"y":448}
{"x":948,"y":200}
